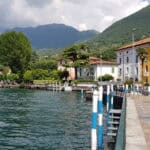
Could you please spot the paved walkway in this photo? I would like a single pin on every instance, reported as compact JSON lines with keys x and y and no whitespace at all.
{"x":138,"y":123}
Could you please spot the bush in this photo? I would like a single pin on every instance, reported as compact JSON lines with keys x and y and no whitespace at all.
{"x":129,"y":82}
{"x":59,"y":75}
{"x":2,"y":77}
{"x":36,"y":74}
{"x":12,"y":77}
{"x":106,"y":77}
{"x":83,"y":81}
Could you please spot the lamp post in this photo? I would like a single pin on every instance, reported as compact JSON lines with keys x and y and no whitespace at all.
{"x":133,"y":49}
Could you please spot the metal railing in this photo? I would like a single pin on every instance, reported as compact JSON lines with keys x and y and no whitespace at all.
{"x":121,"y":135}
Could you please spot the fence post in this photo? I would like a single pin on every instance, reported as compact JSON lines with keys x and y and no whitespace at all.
{"x":100,"y":118}
{"x":94,"y":121}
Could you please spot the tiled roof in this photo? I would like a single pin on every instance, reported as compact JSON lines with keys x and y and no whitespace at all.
{"x":138,"y":43}
{"x":95,"y":60}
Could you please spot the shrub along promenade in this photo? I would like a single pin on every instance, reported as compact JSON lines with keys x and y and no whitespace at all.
{"x":138,"y":123}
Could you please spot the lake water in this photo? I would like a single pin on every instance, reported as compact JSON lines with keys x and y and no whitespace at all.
{"x":44,"y":120}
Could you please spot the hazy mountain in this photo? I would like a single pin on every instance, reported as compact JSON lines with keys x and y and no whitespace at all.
{"x":55,"y":35}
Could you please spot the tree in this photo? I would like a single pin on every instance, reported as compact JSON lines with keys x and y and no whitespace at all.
{"x":78,"y":55}
{"x":142,"y":54}
{"x":15,"y":51}
{"x":44,"y":64}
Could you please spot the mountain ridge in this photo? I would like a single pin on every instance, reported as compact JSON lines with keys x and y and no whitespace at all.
{"x":54,"y":35}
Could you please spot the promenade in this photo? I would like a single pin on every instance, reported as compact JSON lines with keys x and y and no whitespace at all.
{"x":138,"y":123}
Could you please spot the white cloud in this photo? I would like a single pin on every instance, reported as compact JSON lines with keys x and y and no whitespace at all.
{"x":82,"y":27}
{"x":81,"y":14}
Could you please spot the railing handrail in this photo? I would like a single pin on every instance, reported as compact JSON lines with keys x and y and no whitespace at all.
{"x":121,"y":135}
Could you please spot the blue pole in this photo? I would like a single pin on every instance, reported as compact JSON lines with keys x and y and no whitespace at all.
{"x":108,"y":100}
{"x":100,"y":119}
{"x":94,"y":121}
{"x":112,"y":97}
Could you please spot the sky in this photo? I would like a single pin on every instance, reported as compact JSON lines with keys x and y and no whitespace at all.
{"x":81,"y":14}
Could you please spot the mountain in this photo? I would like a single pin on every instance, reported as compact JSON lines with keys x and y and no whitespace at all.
{"x":55,"y":35}
{"x":120,"y":33}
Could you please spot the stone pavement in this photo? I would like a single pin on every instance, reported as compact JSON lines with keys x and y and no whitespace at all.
{"x":138,"y":123}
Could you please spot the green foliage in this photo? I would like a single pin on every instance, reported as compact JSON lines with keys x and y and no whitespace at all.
{"x":129,"y":82}
{"x":44,"y":64}
{"x":2,"y":77}
{"x":83,"y":81}
{"x":15,"y":51}
{"x":59,"y":75}
{"x":76,"y":53}
{"x":120,"y":33}
{"x":45,"y":81}
{"x":12,"y":77}
{"x":106,"y":77}
{"x":63,"y":74}
{"x":40,"y":74}
{"x":5,"y":70}
{"x":142,"y":53}
{"x":36,"y":74}
{"x":28,"y":77}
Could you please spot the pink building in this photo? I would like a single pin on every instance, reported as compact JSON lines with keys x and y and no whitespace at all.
{"x":71,"y":70}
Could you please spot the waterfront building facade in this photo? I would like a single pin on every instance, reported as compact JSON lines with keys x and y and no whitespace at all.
{"x":130,"y":64}
{"x":98,"y":67}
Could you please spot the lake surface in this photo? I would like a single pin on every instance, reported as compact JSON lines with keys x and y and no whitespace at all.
{"x":44,"y":120}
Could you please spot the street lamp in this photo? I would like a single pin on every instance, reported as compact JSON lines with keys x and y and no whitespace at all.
{"x":133,"y":49}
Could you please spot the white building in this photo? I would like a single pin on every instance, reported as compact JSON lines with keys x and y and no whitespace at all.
{"x":129,"y":62}
{"x":97,"y":68}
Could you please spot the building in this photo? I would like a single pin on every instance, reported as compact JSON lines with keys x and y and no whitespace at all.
{"x":61,"y":66}
{"x":130,"y":66}
{"x":97,"y":67}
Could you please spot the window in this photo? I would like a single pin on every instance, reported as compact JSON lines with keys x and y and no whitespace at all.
{"x":120,"y":60}
{"x":127,"y":59}
{"x":120,"y":71}
{"x":136,"y":58}
{"x":146,"y":59}
{"x":137,"y":71}
{"x":146,"y":68}
{"x":127,"y":70}
{"x":113,"y":70}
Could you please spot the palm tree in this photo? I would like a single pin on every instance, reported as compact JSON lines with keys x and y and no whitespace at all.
{"x":142,"y":54}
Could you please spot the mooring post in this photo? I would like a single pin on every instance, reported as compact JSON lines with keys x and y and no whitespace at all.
{"x":82,"y":93}
{"x":108,"y":101}
{"x":94,"y":121}
{"x":112,"y":96}
{"x":100,"y":118}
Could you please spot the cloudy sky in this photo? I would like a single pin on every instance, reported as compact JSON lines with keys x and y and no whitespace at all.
{"x":81,"y":14}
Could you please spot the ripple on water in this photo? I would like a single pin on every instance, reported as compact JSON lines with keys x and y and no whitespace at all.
{"x":44,"y":120}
